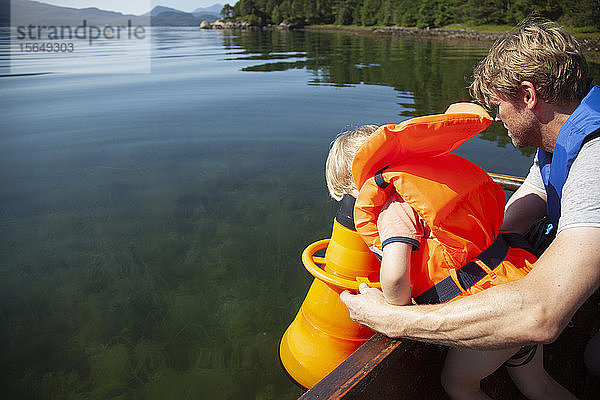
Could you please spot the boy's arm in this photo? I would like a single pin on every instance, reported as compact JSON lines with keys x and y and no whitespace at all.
{"x":397,"y":225}
{"x":395,"y":273}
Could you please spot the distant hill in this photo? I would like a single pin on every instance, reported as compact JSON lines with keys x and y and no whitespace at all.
{"x":179,"y":18}
{"x":4,"y":13}
{"x":160,"y":9}
{"x":207,"y":17}
{"x":167,"y":16}
{"x":210,"y":14}
{"x":26,"y":12}
{"x":214,"y":9}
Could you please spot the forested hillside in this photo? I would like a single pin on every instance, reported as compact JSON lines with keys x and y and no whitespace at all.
{"x":419,"y":13}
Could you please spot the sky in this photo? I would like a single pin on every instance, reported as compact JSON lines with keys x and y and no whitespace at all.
{"x":137,"y":7}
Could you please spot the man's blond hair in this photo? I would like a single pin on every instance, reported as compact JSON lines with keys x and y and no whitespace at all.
{"x":541,"y":52}
{"x":338,"y":168}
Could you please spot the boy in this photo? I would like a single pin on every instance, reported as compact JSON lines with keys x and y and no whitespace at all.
{"x":416,"y":238}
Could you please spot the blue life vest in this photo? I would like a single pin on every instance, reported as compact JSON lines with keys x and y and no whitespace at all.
{"x":555,"y":167}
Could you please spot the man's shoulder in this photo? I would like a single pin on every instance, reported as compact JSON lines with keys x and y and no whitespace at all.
{"x":586,"y":165}
{"x":589,"y":150}
{"x":580,"y":203}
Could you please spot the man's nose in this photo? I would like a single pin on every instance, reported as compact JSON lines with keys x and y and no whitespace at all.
{"x":497,"y":118}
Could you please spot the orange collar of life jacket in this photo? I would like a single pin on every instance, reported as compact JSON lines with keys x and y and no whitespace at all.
{"x":426,"y":136}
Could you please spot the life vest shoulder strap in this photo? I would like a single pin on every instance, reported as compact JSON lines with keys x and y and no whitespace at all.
{"x":471,"y":273}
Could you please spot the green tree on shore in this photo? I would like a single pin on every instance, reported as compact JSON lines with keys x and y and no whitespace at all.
{"x":419,"y":13}
{"x":226,"y":11}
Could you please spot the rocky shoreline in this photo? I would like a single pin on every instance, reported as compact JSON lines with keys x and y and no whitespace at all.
{"x":434,"y":33}
{"x":589,"y":45}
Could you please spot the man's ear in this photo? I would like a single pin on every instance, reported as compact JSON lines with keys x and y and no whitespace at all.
{"x":529,"y":95}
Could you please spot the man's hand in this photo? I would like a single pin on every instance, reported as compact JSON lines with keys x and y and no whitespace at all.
{"x":368,"y":307}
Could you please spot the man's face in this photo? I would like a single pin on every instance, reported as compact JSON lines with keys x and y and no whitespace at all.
{"x":519,"y":121}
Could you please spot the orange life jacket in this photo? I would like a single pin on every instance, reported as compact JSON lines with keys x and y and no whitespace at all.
{"x":462,"y":206}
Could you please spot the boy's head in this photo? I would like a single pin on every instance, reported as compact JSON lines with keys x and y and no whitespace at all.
{"x":338,"y":168}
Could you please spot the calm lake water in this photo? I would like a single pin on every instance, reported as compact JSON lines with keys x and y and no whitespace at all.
{"x":152,"y":223}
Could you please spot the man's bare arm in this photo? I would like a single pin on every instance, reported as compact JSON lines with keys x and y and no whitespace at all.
{"x":522,"y":209}
{"x":534,"y":309}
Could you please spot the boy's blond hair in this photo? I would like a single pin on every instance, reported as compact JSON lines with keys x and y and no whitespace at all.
{"x":541,"y":52}
{"x":338,"y":168}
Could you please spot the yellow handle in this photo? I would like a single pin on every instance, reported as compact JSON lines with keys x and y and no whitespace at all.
{"x":310,"y":263}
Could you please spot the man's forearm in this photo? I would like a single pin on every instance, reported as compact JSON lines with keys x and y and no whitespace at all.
{"x":493,"y":319}
{"x":534,"y":309}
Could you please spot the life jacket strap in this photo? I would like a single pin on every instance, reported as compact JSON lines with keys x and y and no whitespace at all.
{"x":379,"y":180}
{"x":471,"y":273}
{"x":591,"y":137}
{"x":345,"y":212}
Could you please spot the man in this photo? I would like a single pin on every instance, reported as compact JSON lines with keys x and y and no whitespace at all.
{"x":538,"y":79}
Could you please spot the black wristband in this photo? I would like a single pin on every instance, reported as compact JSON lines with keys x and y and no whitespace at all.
{"x":401,"y":239}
